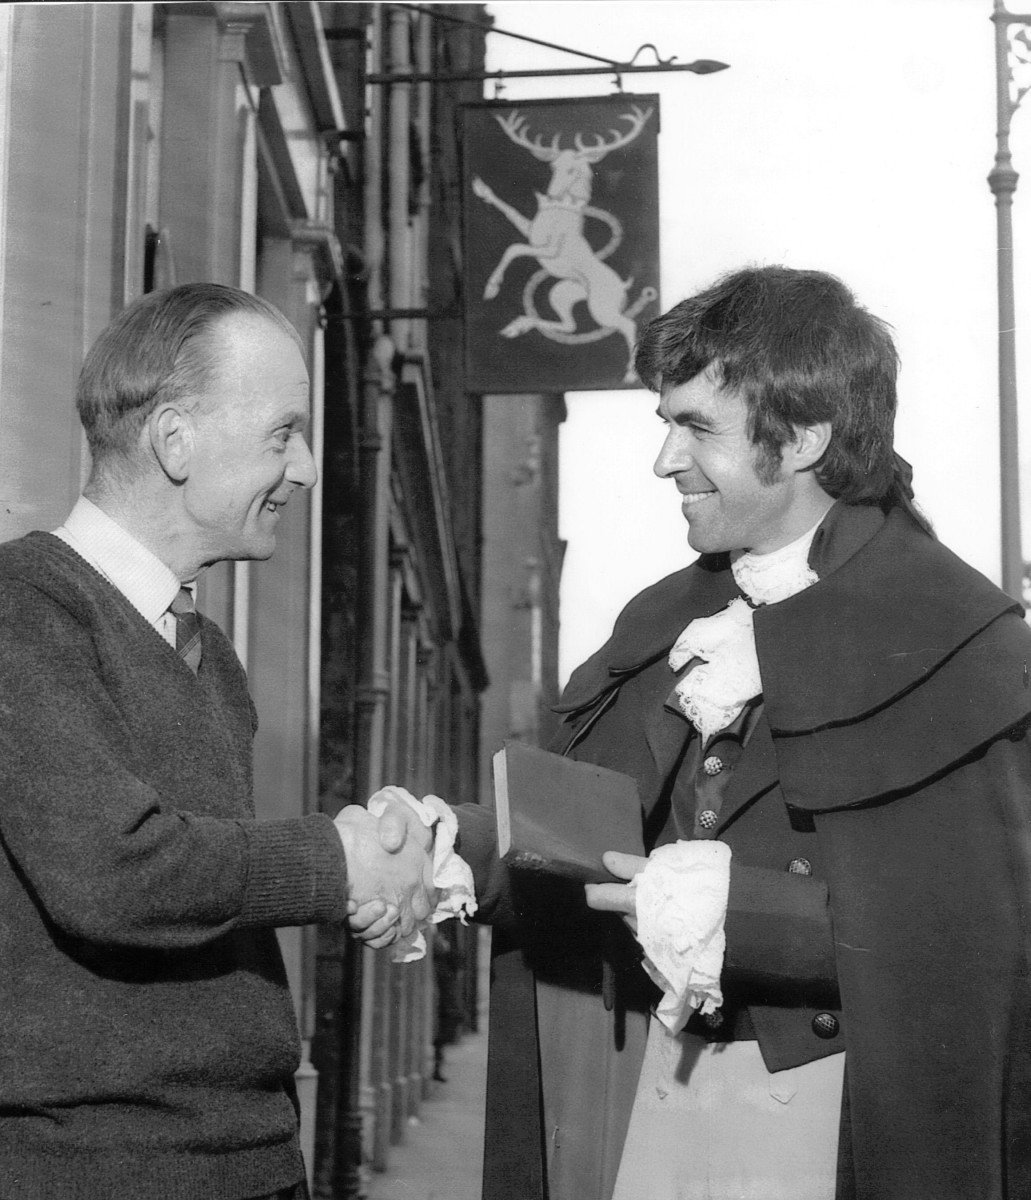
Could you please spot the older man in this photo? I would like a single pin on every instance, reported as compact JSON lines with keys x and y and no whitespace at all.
{"x":827,"y":719}
{"x":147,"y":1037}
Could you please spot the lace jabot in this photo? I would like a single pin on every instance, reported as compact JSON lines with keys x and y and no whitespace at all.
{"x":714,"y":693}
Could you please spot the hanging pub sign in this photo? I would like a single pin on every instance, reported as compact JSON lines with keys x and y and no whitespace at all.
{"x":561,"y":248}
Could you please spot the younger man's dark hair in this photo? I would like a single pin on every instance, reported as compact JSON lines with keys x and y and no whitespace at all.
{"x":800,"y":350}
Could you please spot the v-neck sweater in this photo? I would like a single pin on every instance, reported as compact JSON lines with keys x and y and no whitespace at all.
{"x":147,"y":1036}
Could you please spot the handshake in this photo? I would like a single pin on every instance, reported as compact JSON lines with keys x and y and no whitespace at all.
{"x":402,"y":871}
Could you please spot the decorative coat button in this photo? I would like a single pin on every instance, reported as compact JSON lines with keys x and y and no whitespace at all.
{"x":825,"y":1025}
{"x":800,"y":866}
{"x":707,"y":819}
{"x":712,"y":765}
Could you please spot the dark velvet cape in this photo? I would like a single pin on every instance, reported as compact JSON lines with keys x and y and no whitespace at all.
{"x":893,"y":747}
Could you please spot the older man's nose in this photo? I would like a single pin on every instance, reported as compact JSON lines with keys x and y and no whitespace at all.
{"x":301,"y":469}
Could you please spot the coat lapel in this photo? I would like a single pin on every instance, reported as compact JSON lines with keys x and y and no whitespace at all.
{"x":666,"y":733}
{"x":649,"y":625}
{"x":668,"y":729}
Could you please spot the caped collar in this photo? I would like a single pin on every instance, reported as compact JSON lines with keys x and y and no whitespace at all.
{"x":891,"y":604}
{"x":872,"y":629}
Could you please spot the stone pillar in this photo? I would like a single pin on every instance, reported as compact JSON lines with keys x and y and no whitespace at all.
{"x":64,"y":120}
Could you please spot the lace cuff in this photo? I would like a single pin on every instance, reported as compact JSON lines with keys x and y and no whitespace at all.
{"x":452,"y":875}
{"x":681,"y":909}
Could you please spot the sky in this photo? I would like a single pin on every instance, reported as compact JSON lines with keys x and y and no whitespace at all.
{"x":851,"y":138}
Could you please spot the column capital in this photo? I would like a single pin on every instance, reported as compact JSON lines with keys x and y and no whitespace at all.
{"x":252,"y":35}
{"x":324,"y":246}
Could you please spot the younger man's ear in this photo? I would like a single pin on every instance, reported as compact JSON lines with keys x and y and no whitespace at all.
{"x":171,"y":440}
{"x":808,"y":446}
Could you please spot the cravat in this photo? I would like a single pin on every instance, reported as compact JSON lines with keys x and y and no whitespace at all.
{"x":187,"y":628}
{"x":713,"y":694}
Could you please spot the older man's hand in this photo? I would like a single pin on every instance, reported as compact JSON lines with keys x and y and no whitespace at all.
{"x":374,"y":923}
{"x":389,"y":871}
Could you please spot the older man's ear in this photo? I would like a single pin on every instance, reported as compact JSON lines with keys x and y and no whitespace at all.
{"x":169,"y":431}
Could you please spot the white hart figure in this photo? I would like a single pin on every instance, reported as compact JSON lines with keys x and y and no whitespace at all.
{"x":555,"y":237}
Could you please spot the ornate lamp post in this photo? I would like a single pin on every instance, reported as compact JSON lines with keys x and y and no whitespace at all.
{"x":1013,"y":79}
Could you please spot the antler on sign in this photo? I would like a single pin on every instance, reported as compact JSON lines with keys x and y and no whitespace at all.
{"x":515,"y":126}
{"x":596,"y":152}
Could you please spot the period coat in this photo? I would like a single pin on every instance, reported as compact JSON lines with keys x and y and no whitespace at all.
{"x":877,"y":803}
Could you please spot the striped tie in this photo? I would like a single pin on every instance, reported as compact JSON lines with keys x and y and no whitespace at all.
{"x":187,"y":628}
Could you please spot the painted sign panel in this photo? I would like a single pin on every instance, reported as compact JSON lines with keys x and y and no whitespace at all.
{"x":561,"y":241}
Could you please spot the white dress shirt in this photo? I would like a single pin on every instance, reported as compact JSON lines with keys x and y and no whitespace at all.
{"x":142,"y":578}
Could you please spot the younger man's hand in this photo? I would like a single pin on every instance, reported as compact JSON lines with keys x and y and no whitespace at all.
{"x":618,"y":897}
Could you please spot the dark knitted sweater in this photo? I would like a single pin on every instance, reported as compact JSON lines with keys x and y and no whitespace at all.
{"x":147,"y":1036}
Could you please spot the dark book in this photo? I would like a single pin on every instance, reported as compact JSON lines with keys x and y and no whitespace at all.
{"x":559,"y":816}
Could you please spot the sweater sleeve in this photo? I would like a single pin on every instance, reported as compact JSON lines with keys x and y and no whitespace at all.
{"x":107,"y":857}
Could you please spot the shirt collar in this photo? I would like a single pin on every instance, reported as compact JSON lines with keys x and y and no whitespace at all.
{"x":145,"y":581}
{"x":778,"y":574}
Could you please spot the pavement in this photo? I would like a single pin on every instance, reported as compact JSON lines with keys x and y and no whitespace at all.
{"x":441,"y":1157}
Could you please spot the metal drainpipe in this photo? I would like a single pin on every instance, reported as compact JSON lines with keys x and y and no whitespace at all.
{"x":378,"y":385}
{"x":399,"y":233}
{"x":382,"y":991}
{"x":421,"y":1063}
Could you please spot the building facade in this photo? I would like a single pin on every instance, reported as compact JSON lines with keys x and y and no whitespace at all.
{"x":522,"y":571}
{"x":265,"y":145}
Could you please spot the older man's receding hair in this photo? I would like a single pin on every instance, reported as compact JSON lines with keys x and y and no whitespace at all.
{"x":158,"y":349}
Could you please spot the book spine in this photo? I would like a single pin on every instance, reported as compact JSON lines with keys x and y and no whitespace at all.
{"x":502,"y":814}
